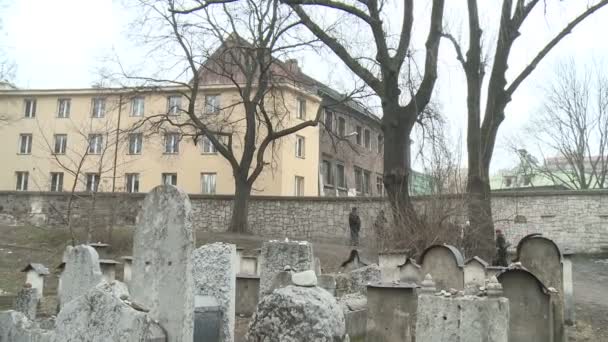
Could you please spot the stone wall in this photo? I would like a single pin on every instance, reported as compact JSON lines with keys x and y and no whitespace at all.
{"x":576,"y":220}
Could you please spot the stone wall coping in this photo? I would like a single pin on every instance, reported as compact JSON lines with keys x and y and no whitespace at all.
{"x":247,"y":276}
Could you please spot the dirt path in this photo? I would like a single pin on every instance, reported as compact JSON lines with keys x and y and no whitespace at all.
{"x":591,"y":297}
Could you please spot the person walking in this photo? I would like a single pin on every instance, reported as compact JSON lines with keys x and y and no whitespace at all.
{"x":354,"y":222}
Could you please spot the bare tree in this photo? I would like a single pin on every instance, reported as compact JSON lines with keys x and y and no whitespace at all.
{"x":481,"y":135}
{"x":203,"y":48}
{"x":382,"y":69}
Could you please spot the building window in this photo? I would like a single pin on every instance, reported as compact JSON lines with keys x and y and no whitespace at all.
{"x":300,"y":150}
{"x":341,"y":127}
{"x":132,"y":182}
{"x":366,"y":182}
{"x":135,"y":143}
{"x":29,"y":108}
{"x":172,"y":143}
{"x":380,"y":143}
{"x":212,"y":104}
{"x":207,"y":145}
{"x":208,"y":182}
{"x":25,"y":143}
{"x":368,"y":139}
{"x":98,"y":107}
{"x":329,"y":120}
{"x":63,"y":108}
{"x":326,"y":172}
{"x":137,"y":106}
{"x":92,"y":182}
{"x":508,"y":181}
{"x":359,"y":133}
{"x":174,"y":104}
{"x":379,"y":186}
{"x":302,"y":109}
{"x":95,"y":143}
{"x":358,"y":180}
{"x":22,"y":178}
{"x":169,"y":179}
{"x":56,"y":181}
{"x":61,"y":143}
{"x":299,"y":186}
{"x":340,"y":176}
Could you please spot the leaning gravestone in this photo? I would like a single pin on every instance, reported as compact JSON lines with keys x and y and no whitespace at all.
{"x":529,"y":305}
{"x":445,"y":264}
{"x":276,"y":255}
{"x":81,"y":272}
{"x":162,"y":279}
{"x":215,"y":267}
{"x":542,"y":257}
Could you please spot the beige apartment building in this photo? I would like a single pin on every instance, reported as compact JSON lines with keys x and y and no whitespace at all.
{"x":50,"y":136}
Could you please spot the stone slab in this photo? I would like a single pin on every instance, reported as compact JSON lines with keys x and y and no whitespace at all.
{"x":16,"y":327}
{"x":81,"y":273}
{"x":27,"y":302}
{"x":275,"y":255}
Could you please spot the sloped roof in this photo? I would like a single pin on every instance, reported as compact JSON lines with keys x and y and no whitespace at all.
{"x":38,"y":268}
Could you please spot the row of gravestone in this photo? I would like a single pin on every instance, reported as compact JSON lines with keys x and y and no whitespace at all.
{"x":538,"y":285}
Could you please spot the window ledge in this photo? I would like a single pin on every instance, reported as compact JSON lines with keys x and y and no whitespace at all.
{"x":209,"y":153}
{"x":171,"y":153}
{"x":24,"y":154}
{"x":134,"y":154}
{"x":301,"y":157}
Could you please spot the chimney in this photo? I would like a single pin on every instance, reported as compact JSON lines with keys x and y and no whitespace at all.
{"x":292,"y":65}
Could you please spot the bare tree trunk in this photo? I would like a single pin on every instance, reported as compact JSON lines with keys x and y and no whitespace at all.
{"x":240,"y":206}
{"x":479,"y":235}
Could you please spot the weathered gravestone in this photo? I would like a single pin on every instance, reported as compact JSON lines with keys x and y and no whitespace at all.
{"x":389,"y":265}
{"x":276,"y":255}
{"x":445,"y":264}
{"x":162,"y":278}
{"x":475,"y":271}
{"x":542,"y":257}
{"x":16,"y":327}
{"x":462,"y":319}
{"x":391,"y":312}
{"x":409,"y":272}
{"x":99,"y":316}
{"x":297,"y":314}
{"x":27,"y":302}
{"x":215,"y":268}
{"x":81,"y":272}
{"x":530,"y":317}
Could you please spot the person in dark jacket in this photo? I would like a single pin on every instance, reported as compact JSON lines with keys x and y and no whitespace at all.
{"x":501,"y":249}
{"x":354,"y":222}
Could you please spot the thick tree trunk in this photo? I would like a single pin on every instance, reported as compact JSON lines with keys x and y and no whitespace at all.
{"x":240,"y":206}
{"x":479,"y":235}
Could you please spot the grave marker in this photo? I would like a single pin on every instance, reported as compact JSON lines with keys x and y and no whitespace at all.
{"x":81,"y":273}
{"x":445,"y":264}
{"x":278,"y":254}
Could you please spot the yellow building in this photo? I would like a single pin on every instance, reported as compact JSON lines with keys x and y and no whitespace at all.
{"x":107,"y":138}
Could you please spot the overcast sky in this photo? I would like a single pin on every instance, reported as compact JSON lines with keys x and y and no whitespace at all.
{"x":62,"y":43}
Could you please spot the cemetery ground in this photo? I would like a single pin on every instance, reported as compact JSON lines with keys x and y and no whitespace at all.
{"x":23,"y":244}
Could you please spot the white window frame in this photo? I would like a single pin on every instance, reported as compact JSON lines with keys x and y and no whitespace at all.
{"x":327,"y":172}
{"x":367,"y":179}
{"x":174,"y":104}
{"x":25,"y":143}
{"x":298,"y":188}
{"x":359,"y":138}
{"x":358,"y":180}
{"x":302,"y":109}
{"x":92,"y":182}
{"x":341,"y":128}
{"x":367,"y":139}
{"x":135,"y":143}
{"x":63,"y":108}
{"x":212,"y":104}
{"x":98,"y":107}
{"x":60,"y":143}
{"x":208,"y":183}
{"x":56,"y":181}
{"x":95,"y":143}
{"x":132,"y":182}
{"x":341,"y":184}
{"x":22,"y":180}
{"x":207,"y":146}
{"x":300,"y":147}
{"x":138,"y":106}
{"x":29,"y":108}
{"x":172,"y":148}
{"x":169,"y":178}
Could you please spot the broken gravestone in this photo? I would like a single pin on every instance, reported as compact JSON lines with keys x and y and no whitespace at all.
{"x":81,"y":272}
{"x":215,"y":267}
{"x":162,"y":278}
{"x":297,"y":314}
{"x":16,"y":327}
{"x":278,"y":254}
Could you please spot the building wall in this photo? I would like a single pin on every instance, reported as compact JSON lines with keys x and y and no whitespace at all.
{"x":189,"y":163}
{"x":576,"y":220}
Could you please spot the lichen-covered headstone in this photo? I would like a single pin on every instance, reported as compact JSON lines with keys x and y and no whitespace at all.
{"x":294,"y":314}
{"x":27,"y":302}
{"x":445,"y":264}
{"x":276,"y":255}
{"x":81,"y":273}
{"x":99,"y":316}
{"x":215,"y":267}
{"x":162,"y":278}
{"x":16,"y":327}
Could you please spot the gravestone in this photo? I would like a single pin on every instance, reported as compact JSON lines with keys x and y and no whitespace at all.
{"x":16,"y":327}
{"x":542,"y":257}
{"x":162,"y":278}
{"x":462,"y":319}
{"x":391,"y":312}
{"x":409,"y":272}
{"x":27,"y":302}
{"x":276,"y":255}
{"x":207,"y":319}
{"x":81,"y":272}
{"x":445,"y":264}
{"x":530,"y":317}
{"x":249,"y":265}
{"x":389,"y":265}
{"x":475,"y":271}
{"x":569,"y":308}
{"x":215,"y":268}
